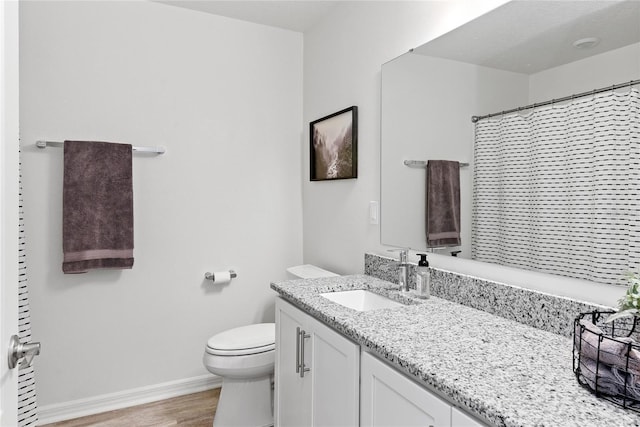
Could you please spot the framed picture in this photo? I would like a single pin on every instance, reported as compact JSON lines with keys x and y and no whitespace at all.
{"x":334,"y":146}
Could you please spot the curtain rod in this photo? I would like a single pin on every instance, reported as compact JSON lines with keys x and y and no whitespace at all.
{"x":474,"y":119}
{"x":157,"y":149}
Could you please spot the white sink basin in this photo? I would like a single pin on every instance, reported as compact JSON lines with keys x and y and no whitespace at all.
{"x":361,"y":300}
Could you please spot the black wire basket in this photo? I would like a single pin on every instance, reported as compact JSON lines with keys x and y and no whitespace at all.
{"x":606,"y":357}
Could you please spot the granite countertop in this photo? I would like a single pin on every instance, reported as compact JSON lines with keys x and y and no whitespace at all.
{"x":503,"y":372}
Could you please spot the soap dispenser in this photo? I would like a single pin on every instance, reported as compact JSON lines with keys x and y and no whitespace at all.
{"x":423,"y":278}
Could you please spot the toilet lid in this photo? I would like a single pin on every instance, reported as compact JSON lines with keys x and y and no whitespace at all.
{"x":244,"y":340}
{"x":309,"y":271}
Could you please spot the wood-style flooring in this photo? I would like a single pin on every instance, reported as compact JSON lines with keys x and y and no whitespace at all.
{"x":191,"y":410}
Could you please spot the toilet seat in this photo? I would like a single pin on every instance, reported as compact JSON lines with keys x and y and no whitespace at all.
{"x":243,"y":341}
{"x":240,"y":352}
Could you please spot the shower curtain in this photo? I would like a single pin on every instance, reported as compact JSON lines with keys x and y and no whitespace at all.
{"x":558,"y":190}
{"x":27,"y":404}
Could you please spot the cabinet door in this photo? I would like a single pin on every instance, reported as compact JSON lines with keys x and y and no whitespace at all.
{"x":335,"y":376}
{"x":388,"y":398}
{"x":292,"y":393}
{"x":461,"y":419}
{"x":328,"y":393}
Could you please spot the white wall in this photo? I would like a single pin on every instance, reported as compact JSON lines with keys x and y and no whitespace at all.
{"x":342,"y":67}
{"x":616,"y":66}
{"x":225,"y":99}
{"x":342,"y":60}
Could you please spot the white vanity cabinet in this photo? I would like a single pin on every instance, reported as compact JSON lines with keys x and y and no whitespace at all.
{"x":323,"y":379}
{"x":317,"y":372}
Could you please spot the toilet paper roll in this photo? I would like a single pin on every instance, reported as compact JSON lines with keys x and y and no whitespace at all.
{"x":221,"y":277}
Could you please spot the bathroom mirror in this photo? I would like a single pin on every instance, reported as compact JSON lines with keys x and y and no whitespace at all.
{"x":518,"y":54}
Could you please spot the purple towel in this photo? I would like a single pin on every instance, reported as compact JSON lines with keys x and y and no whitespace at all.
{"x":443,"y":203}
{"x":609,"y":380}
{"x":619,"y":352}
{"x":97,"y":206}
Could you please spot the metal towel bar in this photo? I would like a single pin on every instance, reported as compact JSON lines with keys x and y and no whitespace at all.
{"x":157,"y":149}
{"x":422,"y":164}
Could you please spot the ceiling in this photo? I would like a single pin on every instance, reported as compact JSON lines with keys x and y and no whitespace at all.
{"x":531,"y":36}
{"x":298,"y":15}
{"x":524,"y":36}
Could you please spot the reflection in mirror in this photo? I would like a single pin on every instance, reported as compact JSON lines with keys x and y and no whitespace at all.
{"x":520,"y":53}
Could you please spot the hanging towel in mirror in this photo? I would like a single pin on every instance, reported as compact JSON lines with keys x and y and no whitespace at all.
{"x":97,"y":206}
{"x":443,"y":203}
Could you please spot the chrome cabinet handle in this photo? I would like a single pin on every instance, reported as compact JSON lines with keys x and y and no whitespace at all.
{"x":303,"y":368}
{"x":298,"y":350}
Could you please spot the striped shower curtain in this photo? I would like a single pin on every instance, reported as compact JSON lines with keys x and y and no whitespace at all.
{"x":27,"y":405}
{"x":558,"y":190}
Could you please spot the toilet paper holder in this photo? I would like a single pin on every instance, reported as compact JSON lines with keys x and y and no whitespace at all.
{"x":212,"y":276}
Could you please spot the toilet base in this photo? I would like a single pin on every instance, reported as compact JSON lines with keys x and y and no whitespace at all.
{"x":245,"y":402}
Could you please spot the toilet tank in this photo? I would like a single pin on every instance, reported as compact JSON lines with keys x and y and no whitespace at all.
{"x":308,"y":271}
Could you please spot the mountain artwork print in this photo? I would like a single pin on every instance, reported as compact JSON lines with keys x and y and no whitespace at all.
{"x":333,"y":149}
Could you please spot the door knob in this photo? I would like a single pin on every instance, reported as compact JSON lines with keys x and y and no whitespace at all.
{"x":17,"y":351}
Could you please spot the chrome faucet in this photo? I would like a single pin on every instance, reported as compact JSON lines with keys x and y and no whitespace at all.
{"x":403,"y":269}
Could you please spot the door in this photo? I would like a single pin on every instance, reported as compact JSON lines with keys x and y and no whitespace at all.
{"x":8,"y":207}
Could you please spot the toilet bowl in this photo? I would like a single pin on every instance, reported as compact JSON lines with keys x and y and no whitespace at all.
{"x":245,"y":357}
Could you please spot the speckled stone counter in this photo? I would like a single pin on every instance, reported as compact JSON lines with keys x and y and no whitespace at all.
{"x":501,"y":371}
{"x":544,"y":311}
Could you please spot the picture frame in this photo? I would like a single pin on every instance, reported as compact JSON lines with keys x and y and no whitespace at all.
{"x":333,"y":146}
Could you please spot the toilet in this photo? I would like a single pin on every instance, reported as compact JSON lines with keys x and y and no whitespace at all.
{"x":244,"y":357}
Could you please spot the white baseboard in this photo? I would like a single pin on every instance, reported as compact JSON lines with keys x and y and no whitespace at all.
{"x":124,"y":399}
